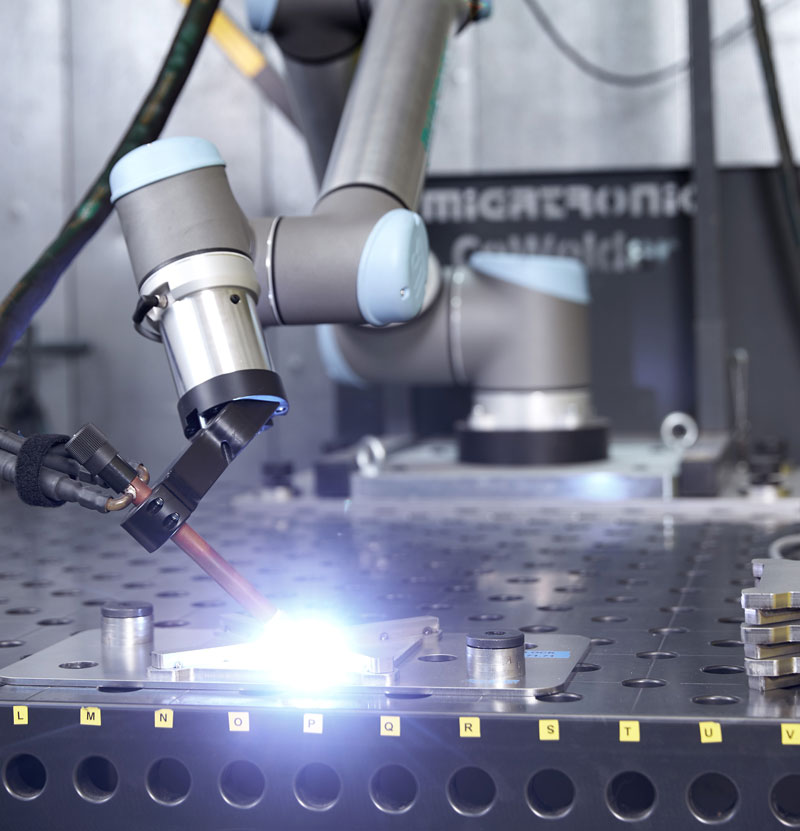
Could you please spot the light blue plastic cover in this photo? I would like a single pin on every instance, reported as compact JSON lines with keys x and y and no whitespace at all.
{"x":260,"y":13}
{"x":393,"y":269}
{"x":333,"y":360}
{"x":562,"y":277}
{"x":160,"y":160}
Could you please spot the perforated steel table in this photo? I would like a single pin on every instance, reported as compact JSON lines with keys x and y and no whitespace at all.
{"x":658,"y":726}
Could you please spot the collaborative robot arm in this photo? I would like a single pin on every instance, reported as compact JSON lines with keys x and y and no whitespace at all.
{"x":208,"y":279}
{"x":191,"y":250}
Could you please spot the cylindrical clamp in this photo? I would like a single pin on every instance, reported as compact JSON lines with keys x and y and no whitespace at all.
{"x":497,"y":655}
{"x":127,"y":624}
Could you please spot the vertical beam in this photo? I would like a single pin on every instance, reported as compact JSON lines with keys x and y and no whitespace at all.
{"x":711,"y":395}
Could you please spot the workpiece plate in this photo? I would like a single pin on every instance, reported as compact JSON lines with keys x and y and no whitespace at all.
{"x":438,"y":668}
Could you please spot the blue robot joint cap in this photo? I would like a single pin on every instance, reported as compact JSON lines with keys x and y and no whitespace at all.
{"x":159,"y":160}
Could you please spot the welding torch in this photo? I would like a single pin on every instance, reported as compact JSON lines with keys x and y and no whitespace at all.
{"x":90,"y":448}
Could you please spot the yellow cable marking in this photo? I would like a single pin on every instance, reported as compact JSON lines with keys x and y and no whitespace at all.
{"x":238,"y":48}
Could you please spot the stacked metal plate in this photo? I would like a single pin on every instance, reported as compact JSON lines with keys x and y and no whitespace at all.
{"x":771,"y":628}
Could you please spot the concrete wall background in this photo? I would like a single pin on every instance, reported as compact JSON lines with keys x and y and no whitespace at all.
{"x":74,"y":71}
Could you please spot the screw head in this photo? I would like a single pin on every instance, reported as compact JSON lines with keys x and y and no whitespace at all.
{"x":172,"y":521}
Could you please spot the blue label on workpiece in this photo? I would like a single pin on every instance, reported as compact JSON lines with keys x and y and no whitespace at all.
{"x":543,"y":653}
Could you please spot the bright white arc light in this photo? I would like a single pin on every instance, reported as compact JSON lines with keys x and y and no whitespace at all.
{"x":307,"y":653}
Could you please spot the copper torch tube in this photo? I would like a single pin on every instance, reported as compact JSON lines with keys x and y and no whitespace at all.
{"x":216,"y":566}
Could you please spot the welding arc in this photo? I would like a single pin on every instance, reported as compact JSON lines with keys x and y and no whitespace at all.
{"x":214,"y":564}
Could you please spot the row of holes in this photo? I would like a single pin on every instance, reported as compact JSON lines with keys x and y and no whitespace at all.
{"x":711,"y":797}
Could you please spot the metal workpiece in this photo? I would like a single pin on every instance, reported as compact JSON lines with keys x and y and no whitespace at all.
{"x":783,"y":665}
{"x":768,"y":683}
{"x":181,"y":215}
{"x":771,"y":631}
{"x":770,"y":650}
{"x":359,"y":258}
{"x":773,"y":634}
{"x":777,"y":585}
{"x":402,"y":664}
{"x":311,"y":31}
{"x":385,"y":131}
{"x":761,"y":616}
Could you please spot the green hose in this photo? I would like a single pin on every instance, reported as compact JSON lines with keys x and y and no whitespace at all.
{"x":35,"y":286}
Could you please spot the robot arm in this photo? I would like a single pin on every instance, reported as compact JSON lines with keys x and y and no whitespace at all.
{"x":360,"y":257}
{"x":191,"y":251}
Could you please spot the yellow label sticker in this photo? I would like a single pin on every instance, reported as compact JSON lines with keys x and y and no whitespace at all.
{"x":710,"y":732}
{"x":239,"y":722}
{"x":312,"y":723}
{"x":90,"y":716}
{"x":164,"y":718}
{"x":629,"y":731}
{"x":790,"y":733}
{"x":390,"y":725}
{"x":21,"y":714}
{"x":548,"y":730}
{"x":469,"y":728}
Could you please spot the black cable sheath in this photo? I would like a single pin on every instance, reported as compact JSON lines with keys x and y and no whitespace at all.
{"x":27,"y":474}
{"x":632,"y":80}
{"x":57,"y":487}
{"x":783,"y":182}
{"x":791,"y":184}
{"x":55,"y":459}
{"x":34,"y":287}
